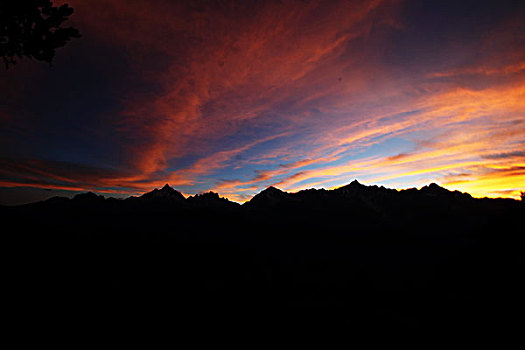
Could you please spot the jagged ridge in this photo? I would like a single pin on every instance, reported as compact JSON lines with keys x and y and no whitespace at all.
{"x":272,"y":196}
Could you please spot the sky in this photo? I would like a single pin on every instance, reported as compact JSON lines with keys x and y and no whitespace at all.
{"x":236,"y":96}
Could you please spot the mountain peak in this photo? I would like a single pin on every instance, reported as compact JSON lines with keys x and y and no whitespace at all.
{"x":271,"y":189}
{"x":210,"y":195}
{"x":211,"y":199}
{"x":351,"y":186}
{"x":165,"y":192}
{"x":270,"y":195}
{"x":168,"y":189}
{"x":87,"y":197}
{"x":434,"y":189}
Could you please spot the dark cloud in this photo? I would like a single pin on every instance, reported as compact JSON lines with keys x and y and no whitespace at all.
{"x":505,"y":155}
{"x":59,"y":175}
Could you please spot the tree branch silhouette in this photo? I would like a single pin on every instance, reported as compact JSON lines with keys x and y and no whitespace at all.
{"x":32,"y":28}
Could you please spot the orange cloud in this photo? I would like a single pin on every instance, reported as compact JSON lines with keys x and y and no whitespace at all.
{"x":227,"y":66}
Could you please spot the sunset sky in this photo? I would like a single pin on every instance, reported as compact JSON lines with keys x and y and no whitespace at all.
{"x":235,"y":96}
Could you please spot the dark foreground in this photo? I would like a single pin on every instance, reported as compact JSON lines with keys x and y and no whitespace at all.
{"x":354,"y":259}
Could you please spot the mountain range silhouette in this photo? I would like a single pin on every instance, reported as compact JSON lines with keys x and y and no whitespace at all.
{"x":357,"y":257}
{"x":272,"y":196}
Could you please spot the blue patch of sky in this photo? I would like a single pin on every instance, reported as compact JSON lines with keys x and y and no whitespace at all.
{"x":387,"y":147}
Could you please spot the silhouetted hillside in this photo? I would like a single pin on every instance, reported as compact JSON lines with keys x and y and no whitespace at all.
{"x":364,"y":257}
